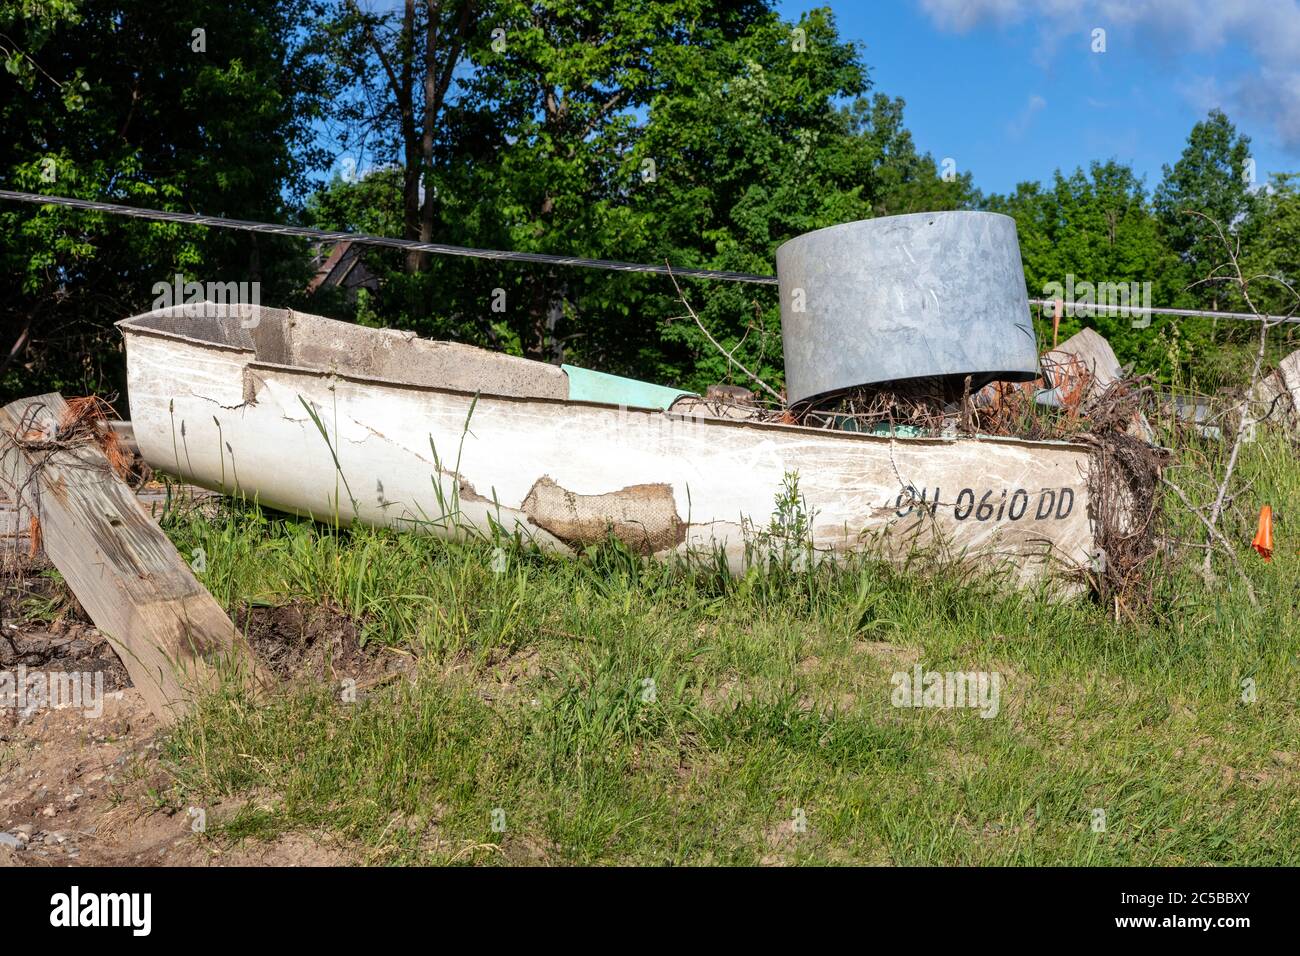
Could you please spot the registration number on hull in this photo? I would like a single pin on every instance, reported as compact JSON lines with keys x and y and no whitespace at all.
{"x":993,"y":504}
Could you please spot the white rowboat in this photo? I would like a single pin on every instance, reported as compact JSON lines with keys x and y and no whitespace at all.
{"x":333,"y":420}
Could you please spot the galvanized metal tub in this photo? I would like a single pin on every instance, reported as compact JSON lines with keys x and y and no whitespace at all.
{"x":928,"y":295}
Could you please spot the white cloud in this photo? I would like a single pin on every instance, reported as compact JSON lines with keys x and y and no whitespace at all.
{"x":1273,"y":95}
{"x":962,"y":15}
{"x":1020,"y":125}
{"x":1270,"y":30}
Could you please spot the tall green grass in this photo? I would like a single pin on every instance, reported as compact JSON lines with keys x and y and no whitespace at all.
{"x":612,"y":710}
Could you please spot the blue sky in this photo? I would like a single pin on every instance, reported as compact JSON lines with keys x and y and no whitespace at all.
{"x":1011,"y":90}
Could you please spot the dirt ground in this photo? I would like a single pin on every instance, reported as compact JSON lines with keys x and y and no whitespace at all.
{"x":79,"y":787}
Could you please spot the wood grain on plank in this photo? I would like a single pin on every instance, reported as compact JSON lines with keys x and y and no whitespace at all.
{"x":171,"y":634}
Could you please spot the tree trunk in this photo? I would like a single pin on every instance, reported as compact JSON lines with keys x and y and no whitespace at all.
{"x":410,"y":139}
{"x":553,"y":344}
{"x":431,"y":106}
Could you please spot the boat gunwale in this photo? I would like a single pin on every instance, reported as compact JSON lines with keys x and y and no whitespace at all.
{"x":126,"y":325}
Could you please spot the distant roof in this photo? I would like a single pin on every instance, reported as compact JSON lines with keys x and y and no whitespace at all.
{"x":342,"y":268}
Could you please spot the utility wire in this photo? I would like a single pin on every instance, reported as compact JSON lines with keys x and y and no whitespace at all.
{"x":413,"y":245}
{"x":1107,"y":309}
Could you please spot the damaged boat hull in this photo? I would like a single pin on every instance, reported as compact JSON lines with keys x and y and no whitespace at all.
{"x":319,"y":418}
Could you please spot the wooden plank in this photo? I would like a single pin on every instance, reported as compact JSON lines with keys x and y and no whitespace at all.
{"x":1091,"y":350}
{"x":171,"y":634}
{"x":15,"y":526}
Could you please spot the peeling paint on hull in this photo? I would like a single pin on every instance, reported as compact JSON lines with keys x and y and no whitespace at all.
{"x":564,"y":472}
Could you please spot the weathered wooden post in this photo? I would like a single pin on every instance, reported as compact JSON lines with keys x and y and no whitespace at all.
{"x":171,"y":634}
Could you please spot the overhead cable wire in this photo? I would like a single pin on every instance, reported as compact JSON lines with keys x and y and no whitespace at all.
{"x":541,"y":258}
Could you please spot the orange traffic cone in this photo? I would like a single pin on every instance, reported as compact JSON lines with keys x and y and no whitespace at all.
{"x":1263,"y":542}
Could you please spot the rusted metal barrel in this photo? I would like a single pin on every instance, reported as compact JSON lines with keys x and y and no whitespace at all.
{"x":937,"y":295}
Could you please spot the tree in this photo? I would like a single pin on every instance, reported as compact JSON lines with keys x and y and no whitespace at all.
{"x":195,"y":105}
{"x":565,"y":85}
{"x":751,"y":149}
{"x":1213,"y":177}
{"x":1275,"y":239}
{"x":1097,"y":228}
{"x":1273,"y":256}
{"x":539,"y":157}
{"x":699,"y":134}
{"x":399,"y":69}
{"x":907,"y":181}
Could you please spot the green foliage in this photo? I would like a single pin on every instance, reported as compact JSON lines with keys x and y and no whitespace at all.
{"x":1098,"y":227}
{"x":647,"y":132}
{"x":1102,"y":227}
{"x":115,"y":102}
{"x":906,"y":181}
{"x":698,"y":134}
{"x":1211,"y":181}
{"x":1273,"y":249}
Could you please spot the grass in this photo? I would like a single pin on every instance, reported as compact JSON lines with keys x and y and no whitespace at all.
{"x":607,"y":710}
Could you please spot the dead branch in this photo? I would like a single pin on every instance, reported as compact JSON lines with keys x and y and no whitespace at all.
{"x":728,"y":355}
{"x":1244,"y":421}
{"x":1214,"y":536}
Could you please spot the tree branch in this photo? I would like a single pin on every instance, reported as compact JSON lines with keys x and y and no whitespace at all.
{"x":729,"y":356}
